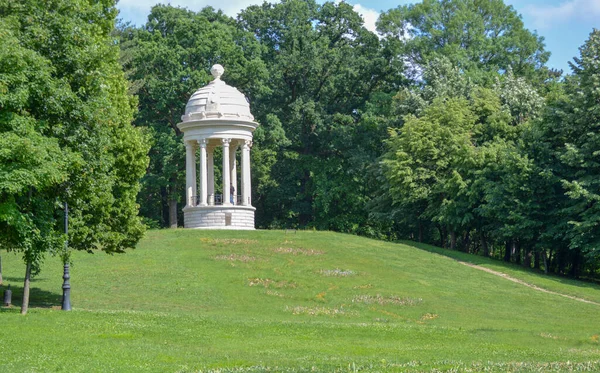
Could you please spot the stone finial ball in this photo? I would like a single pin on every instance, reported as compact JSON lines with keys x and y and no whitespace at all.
{"x":217,"y":70}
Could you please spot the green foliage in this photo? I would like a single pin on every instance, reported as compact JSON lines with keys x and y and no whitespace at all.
{"x":505,"y":181}
{"x":323,"y":66}
{"x":478,"y":37}
{"x":440,"y":79}
{"x":484,"y":190}
{"x":32,"y":165}
{"x":427,"y":161}
{"x":65,"y":120}
{"x":519,"y":98}
{"x":570,"y":137}
{"x":582,"y":147}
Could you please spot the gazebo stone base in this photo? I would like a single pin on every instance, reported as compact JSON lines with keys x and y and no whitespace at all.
{"x":219,"y":217}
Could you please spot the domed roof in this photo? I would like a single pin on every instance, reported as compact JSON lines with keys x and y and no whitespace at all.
{"x":217,"y":100}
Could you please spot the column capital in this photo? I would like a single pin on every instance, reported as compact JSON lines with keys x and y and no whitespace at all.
{"x":203,"y":143}
{"x":225,"y":142}
{"x":247,"y":144}
{"x":190,"y":143}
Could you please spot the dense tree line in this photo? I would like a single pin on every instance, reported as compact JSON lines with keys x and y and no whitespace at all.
{"x":446,"y":127}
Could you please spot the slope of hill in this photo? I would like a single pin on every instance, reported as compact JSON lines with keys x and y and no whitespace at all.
{"x":187,"y":301}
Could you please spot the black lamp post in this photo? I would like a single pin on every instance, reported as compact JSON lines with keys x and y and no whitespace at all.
{"x":66,"y":299}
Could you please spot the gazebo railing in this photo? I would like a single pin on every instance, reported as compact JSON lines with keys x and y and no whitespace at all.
{"x":216,"y":200}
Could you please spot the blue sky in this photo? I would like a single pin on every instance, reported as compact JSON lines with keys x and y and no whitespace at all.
{"x":564,"y":24}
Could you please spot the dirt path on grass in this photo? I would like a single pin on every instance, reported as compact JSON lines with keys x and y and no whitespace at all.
{"x":534,"y":287}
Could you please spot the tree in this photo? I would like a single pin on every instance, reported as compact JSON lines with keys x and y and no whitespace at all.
{"x":478,"y":36}
{"x":569,"y":134}
{"x":32,"y":166}
{"x":323,"y":66}
{"x":426,"y":160}
{"x":582,"y":148}
{"x":66,"y":119}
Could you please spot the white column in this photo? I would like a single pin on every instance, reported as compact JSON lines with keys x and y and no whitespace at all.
{"x":194,"y":174}
{"x":226,"y":173}
{"x":211,"y":175}
{"x":246,"y":190}
{"x":203,"y":172}
{"x":232,"y":169}
{"x":190,"y":173}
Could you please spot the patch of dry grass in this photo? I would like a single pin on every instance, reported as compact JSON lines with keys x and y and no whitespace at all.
{"x":274,"y":293}
{"x":337,"y":272}
{"x":293,"y":251}
{"x":429,"y":316}
{"x":379,"y":299}
{"x":236,"y":258}
{"x":267,"y":283}
{"x":319,"y":311}
{"x":228,"y":241}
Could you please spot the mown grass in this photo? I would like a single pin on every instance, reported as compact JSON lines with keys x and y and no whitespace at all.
{"x":187,"y":301}
{"x":563,"y":285}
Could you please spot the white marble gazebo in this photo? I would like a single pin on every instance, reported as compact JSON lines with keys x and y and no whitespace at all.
{"x":218,"y":115}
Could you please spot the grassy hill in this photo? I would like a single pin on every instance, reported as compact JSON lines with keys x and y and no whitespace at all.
{"x":187,"y":301}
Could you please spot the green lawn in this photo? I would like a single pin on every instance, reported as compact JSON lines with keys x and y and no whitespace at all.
{"x":187,"y":301}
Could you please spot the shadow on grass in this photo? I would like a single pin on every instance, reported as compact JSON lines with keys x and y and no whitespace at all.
{"x":14,"y":280}
{"x":480,"y":260}
{"x":11,"y":309}
{"x":38,"y":298}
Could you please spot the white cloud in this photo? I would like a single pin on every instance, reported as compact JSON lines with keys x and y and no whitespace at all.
{"x":368,"y":15}
{"x":545,"y":16}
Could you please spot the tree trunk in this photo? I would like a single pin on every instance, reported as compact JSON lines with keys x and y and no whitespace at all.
{"x":484,"y":244}
{"x":452,"y":240}
{"x":555,"y":262}
{"x":516,"y":251}
{"x":561,"y":264}
{"x":420,"y":232}
{"x":25,"y":303}
{"x":173,"y":213}
{"x":304,"y":217}
{"x":0,"y":269}
{"x":527,"y":259}
{"x":442,"y":236}
{"x":164,"y":207}
{"x":507,"y":247}
{"x":574,"y":272}
{"x":545,"y":257}
{"x":467,"y":242}
{"x":536,"y":260}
